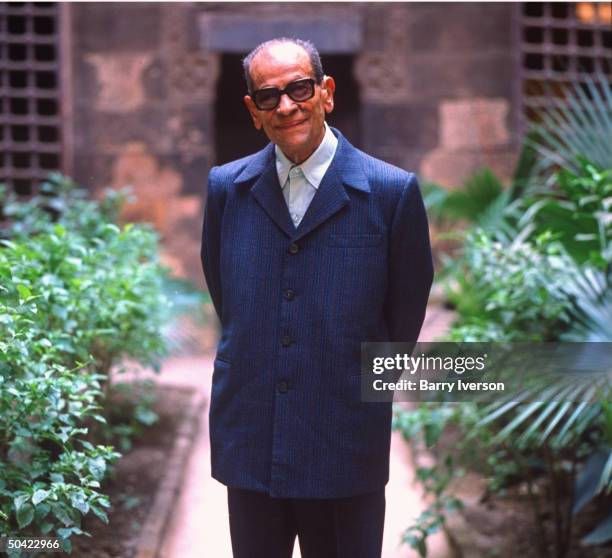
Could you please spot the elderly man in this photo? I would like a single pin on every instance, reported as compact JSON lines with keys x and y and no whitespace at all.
{"x":309,"y":248}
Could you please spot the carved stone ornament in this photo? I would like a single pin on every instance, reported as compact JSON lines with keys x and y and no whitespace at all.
{"x":119,"y":78}
{"x":382,"y":75}
{"x":192,"y":73}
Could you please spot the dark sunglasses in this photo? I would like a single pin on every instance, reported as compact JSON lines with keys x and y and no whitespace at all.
{"x":298,"y":91}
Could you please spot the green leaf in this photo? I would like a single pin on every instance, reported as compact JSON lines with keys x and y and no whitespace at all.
{"x":601,"y":534}
{"x":66,"y":545}
{"x":18,"y":501}
{"x":46,"y":527}
{"x":59,"y":230}
{"x":146,"y":416}
{"x":62,"y":514}
{"x":605,"y":481}
{"x":39,"y":496}
{"x":24,"y":292}
{"x":97,"y":466}
{"x":100,"y":514}
{"x":65,"y":532}
{"x":586,"y":485}
{"x":24,"y":515}
{"x":41,"y":511}
{"x":78,"y":501}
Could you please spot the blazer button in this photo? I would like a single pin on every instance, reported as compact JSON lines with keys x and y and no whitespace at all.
{"x":293,"y":248}
{"x":289,"y":294}
{"x":282,"y":386}
{"x":286,"y":341}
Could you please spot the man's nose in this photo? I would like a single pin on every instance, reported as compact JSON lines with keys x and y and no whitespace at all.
{"x":286,"y":105}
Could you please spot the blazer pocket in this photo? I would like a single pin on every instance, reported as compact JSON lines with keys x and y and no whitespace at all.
{"x":355,"y":240}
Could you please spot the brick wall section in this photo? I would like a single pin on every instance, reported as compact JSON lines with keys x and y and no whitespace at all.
{"x":435,"y":92}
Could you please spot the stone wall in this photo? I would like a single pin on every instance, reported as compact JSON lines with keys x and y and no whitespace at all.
{"x":142,"y":115}
{"x":435,"y":93}
{"x":438,"y":88}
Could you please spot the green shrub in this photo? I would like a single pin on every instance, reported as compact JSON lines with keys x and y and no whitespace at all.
{"x":422,"y":428}
{"x":578,"y":213}
{"x":77,"y":295}
{"x":541,"y":270}
{"x":511,"y":292}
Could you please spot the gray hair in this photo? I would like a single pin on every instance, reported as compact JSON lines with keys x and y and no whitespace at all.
{"x":313,"y":54}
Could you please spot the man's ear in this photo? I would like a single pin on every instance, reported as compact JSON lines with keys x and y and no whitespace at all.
{"x":250,"y":105}
{"x":328,"y":86}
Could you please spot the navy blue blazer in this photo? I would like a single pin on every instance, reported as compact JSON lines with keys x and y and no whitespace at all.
{"x":286,"y":415}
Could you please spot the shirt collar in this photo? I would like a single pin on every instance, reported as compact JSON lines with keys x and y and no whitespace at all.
{"x":313,"y":168}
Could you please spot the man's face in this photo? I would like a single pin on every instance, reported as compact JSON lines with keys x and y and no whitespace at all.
{"x":296,"y":127}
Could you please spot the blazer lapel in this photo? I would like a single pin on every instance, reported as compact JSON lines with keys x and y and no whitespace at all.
{"x":345,"y":170}
{"x":266,"y":190}
{"x":331,"y":196}
{"x":268,"y":193}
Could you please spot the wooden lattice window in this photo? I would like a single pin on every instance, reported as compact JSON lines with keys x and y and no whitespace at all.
{"x":30,"y":131}
{"x":560,"y":43}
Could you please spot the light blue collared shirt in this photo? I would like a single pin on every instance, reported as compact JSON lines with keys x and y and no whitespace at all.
{"x":300,"y":182}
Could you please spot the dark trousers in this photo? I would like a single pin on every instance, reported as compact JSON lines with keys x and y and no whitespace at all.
{"x":265,"y":527}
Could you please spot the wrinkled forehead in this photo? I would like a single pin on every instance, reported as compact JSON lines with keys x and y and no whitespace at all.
{"x":280,"y":61}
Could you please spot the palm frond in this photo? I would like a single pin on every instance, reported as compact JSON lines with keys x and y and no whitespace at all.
{"x":581,"y":126}
{"x":592,"y":312}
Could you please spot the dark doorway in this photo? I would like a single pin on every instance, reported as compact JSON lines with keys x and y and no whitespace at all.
{"x":235,"y":135}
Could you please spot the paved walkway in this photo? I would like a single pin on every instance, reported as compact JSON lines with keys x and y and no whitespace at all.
{"x":199,"y":528}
